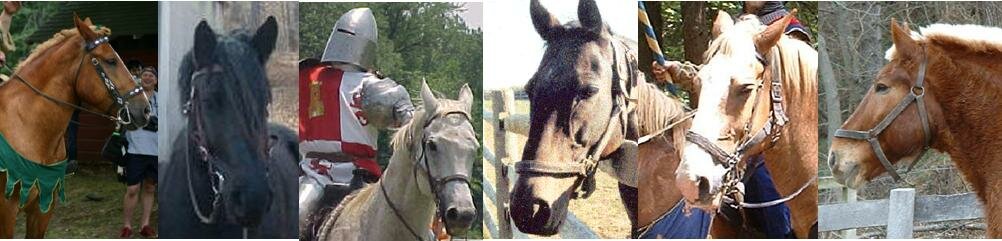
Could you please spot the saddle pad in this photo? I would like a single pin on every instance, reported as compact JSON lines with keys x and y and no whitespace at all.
{"x":676,"y":225}
{"x":49,"y":179}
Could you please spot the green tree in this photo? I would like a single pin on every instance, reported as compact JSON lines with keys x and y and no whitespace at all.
{"x":24,"y":23}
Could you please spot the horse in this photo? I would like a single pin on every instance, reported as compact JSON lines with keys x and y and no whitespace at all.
{"x":219,"y":181}
{"x":581,"y":103}
{"x":36,"y":106}
{"x":751,"y":74}
{"x":937,"y":91}
{"x":433,"y":156}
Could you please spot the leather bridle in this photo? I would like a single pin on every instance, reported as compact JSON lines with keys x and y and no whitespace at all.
{"x":122,"y":113}
{"x":584,"y":167}
{"x":771,"y":132}
{"x":436,"y":183}
{"x":915,"y":95}
{"x":196,"y":136}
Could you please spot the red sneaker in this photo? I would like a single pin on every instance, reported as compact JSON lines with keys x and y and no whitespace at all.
{"x":147,"y":232}
{"x":126,"y":233}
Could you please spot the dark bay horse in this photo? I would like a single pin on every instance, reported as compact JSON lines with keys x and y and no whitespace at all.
{"x":753,"y":74}
{"x":940,"y":90}
{"x":76,"y":66}
{"x":220,"y":181}
{"x":580,"y":113}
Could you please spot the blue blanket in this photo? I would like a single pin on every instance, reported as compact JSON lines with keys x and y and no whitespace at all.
{"x":774,"y":221}
{"x":676,"y":225}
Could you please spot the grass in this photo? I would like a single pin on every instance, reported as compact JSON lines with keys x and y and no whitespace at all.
{"x":79,"y":217}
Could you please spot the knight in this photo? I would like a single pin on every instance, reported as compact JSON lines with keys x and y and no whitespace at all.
{"x":343,"y":103}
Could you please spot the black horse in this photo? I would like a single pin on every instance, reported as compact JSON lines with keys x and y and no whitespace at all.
{"x":220,"y":181}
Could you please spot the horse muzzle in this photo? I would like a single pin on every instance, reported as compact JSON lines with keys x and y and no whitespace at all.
{"x":456,"y":208}
{"x":248,"y":200}
{"x":539,"y":203}
{"x":845,"y":172}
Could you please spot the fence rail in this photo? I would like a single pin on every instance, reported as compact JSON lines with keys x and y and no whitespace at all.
{"x":898,"y":213}
{"x":505,"y":123}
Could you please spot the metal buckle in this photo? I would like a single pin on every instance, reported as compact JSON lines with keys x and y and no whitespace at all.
{"x":918,"y":91}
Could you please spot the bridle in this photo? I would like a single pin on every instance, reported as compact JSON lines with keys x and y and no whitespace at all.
{"x":768,"y":135}
{"x":196,"y":136}
{"x":584,"y":167}
{"x":435,"y":183}
{"x":915,"y":95}
{"x":122,"y":113}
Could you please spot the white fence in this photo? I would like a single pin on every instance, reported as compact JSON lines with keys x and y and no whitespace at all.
{"x":898,"y":213}
{"x":506,"y":122}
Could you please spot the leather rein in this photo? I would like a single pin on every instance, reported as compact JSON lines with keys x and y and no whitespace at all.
{"x":732,"y":188}
{"x":915,"y":95}
{"x":435,"y":183}
{"x":122,"y":113}
{"x":585,"y":166}
{"x":216,"y":178}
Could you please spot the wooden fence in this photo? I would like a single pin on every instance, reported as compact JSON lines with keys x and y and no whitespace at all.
{"x":898,"y":213}
{"x":505,"y":123}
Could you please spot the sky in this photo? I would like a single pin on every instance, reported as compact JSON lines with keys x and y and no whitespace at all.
{"x":513,"y":49}
{"x":474,"y":14}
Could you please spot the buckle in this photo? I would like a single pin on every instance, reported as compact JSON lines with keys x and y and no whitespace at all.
{"x":918,"y":91}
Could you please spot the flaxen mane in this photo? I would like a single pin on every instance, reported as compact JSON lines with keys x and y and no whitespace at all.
{"x":57,"y":39}
{"x":973,"y":38}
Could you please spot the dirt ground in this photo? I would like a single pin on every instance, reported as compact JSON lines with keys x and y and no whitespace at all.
{"x":603,"y":212}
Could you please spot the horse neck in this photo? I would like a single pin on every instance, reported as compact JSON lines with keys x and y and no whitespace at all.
{"x":964,"y":85}
{"x":405,"y":192}
{"x":33,"y":124}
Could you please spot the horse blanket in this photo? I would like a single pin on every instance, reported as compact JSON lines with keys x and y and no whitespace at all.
{"x":773,"y":221}
{"x":49,"y":179}
{"x":676,"y":224}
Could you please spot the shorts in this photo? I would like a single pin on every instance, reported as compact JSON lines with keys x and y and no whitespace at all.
{"x":139,"y":168}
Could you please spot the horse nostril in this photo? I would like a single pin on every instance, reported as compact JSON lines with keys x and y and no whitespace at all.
{"x":539,"y":207}
{"x":704,"y":187}
{"x":832,"y":158}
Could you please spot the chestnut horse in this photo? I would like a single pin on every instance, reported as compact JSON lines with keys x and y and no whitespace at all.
{"x":940,"y":90}
{"x":751,"y":74}
{"x":580,"y":102}
{"x":76,"y":66}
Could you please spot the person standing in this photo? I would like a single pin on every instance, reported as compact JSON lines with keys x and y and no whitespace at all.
{"x":141,"y":164}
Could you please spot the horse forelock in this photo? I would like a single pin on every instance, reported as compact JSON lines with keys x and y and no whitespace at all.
{"x":57,"y":39}
{"x":404,"y":141}
{"x":737,"y":42}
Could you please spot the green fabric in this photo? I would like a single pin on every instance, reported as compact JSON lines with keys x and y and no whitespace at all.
{"x":48,"y":179}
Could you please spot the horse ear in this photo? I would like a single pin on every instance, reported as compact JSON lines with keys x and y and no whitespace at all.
{"x":428,"y":98}
{"x":904,"y":45}
{"x":264,"y":39}
{"x":771,"y":35}
{"x":84,"y":28}
{"x":589,"y":16}
{"x":545,"y":24}
{"x":205,"y":44}
{"x":466,"y":96}
{"x":722,"y":23}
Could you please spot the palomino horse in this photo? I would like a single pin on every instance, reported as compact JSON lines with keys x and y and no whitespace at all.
{"x":219,"y":181}
{"x":750,"y":75}
{"x":36,"y":105}
{"x":432,"y":159}
{"x":580,"y":113}
{"x":938,"y":91}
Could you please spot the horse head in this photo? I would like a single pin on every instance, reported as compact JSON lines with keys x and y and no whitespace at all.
{"x":734,"y":104}
{"x":577,"y":114}
{"x":448,"y":146}
{"x":103,"y":81}
{"x":226,"y":95}
{"x":891,"y":113}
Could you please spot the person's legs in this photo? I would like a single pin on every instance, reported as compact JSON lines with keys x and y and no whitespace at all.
{"x":129,"y":204}
{"x":133,"y":177}
{"x":149,"y":194}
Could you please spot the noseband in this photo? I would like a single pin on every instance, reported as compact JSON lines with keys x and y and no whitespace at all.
{"x":122,"y":113}
{"x":586,"y":166}
{"x":915,"y":95}
{"x":435,"y":183}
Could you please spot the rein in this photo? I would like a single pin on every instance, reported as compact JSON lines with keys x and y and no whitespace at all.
{"x":118,"y":98}
{"x":915,"y":95}
{"x":216,"y":178}
{"x":434,"y":183}
{"x":585,"y":167}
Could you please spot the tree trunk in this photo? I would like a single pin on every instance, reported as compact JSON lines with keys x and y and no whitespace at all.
{"x":696,"y":28}
{"x":833,"y":113}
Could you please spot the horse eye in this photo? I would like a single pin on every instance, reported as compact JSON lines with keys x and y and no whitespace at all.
{"x":111,"y":62}
{"x":587,"y":92}
{"x":432,"y":146}
{"x":881,"y":88}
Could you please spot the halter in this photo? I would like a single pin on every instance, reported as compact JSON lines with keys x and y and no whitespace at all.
{"x":434,"y":183}
{"x":585,"y":167}
{"x":216,"y":178}
{"x":118,"y":105}
{"x":915,"y":95}
{"x":771,"y":131}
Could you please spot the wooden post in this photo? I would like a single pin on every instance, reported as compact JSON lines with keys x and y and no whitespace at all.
{"x":504,"y":103}
{"x":901,"y":213}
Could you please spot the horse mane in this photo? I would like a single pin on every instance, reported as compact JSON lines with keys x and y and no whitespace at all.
{"x":656,"y":110}
{"x":57,"y":39}
{"x":973,"y":38}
